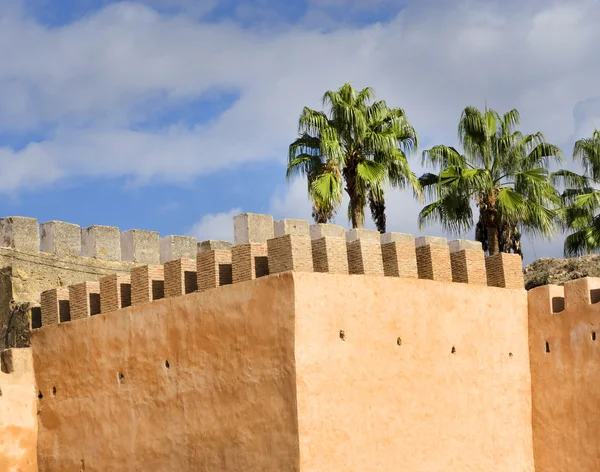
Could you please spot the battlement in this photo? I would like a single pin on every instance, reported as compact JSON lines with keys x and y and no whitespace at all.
{"x":263,"y":247}
{"x":106,"y":243}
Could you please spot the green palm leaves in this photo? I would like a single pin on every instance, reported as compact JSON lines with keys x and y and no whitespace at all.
{"x":359,"y":142}
{"x":502,"y":173}
{"x":582,"y":201}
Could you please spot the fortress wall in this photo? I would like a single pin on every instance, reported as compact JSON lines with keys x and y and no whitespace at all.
{"x":36,"y":257}
{"x":200,"y":382}
{"x":18,"y":412}
{"x":564,"y":344}
{"x":295,"y":371}
{"x":379,"y":387}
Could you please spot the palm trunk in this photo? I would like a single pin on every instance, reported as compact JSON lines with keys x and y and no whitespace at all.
{"x":493,"y":246}
{"x":356,"y":203}
{"x":356,"y":213}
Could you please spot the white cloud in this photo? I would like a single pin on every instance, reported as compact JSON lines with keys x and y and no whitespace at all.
{"x":93,"y":78}
{"x":218,"y":226}
{"x":90,"y":82}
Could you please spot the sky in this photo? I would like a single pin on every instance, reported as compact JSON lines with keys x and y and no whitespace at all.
{"x":175,"y":115}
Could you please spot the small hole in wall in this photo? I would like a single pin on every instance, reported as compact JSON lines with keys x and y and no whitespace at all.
{"x":120,"y":377}
{"x":167,"y":365}
{"x":54,"y":391}
{"x":342,"y":335}
{"x":0,"y":392}
{"x":510,"y":354}
{"x":40,"y":396}
{"x":399,"y":341}
{"x":547,"y":347}
{"x":593,"y":335}
{"x":453,"y":351}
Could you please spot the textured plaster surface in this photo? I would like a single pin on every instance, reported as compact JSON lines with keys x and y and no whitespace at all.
{"x":225,"y":402}
{"x":366,"y":403}
{"x":18,"y":415}
{"x":565,"y":387}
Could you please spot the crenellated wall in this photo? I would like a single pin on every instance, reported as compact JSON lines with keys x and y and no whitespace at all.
{"x":34,"y":258}
{"x":264,"y":247}
{"x":564,"y":333}
{"x":300,"y":348}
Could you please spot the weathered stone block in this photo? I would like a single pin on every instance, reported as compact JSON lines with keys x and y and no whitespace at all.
{"x":177,"y":247}
{"x":462,"y":244}
{"x":290,"y":252}
{"x":505,"y":270}
{"x":387,"y":238}
{"x":115,"y":292}
{"x":321,"y":230}
{"x":60,"y":238}
{"x":55,"y":306}
{"x":330,"y":255}
{"x":364,"y":234}
{"x":180,"y":277}
{"x":399,"y":255}
{"x":20,"y":233}
{"x":290,"y":226}
{"x":252,"y":228}
{"x":211,"y":245}
{"x":139,"y":246}
{"x":84,"y":300}
{"x":364,"y":257}
{"x":214,"y":269}
{"x":101,"y":242}
{"x":147,"y":284}
{"x":433,"y":259}
{"x":249,"y":261}
{"x":468,"y":262}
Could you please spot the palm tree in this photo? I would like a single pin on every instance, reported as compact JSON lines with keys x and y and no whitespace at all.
{"x":581,"y":200}
{"x":358,"y":141}
{"x":502,"y":172}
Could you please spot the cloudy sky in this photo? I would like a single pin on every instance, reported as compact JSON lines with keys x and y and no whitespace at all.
{"x":174,"y":115}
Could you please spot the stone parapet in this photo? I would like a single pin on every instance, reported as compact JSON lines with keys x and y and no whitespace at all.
{"x":20,"y":233}
{"x":433,"y":259}
{"x":399,"y":255}
{"x":468,"y":262}
{"x":115,"y":292}
{"x":330,"y":255}
{"x":290,"y":252}
{"x":249,"y":261}
{"x":213,"y":269}
{"x":55,"y":306}
{"x":101,"y":242}
{"x":60,"y":238}
{"x":364,"y":252}
{"x":250,"y":228}
{"x":147,"y":284}
{"x":84,"y":300}
{"x":177,"y":247}
{"x":141,"y":247}
{"x":181,"y":277}
{"x":213,"y":244}
{"x":505,"y":271}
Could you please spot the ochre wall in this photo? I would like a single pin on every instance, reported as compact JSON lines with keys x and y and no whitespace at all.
{"x":226,"y":402}
{"x":259,"y":379}
{"x":368,"y":404}
{"x":565,"y":380}
{"x":18,"y":413}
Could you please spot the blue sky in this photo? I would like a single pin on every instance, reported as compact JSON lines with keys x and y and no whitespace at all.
{"x":173,"y":115}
